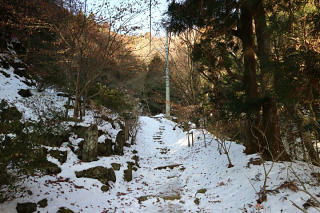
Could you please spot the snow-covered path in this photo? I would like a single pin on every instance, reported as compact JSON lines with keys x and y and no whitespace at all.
{"x":165,"y":168}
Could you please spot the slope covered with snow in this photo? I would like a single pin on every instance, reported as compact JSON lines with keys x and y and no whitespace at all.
{"x":173,"y":178}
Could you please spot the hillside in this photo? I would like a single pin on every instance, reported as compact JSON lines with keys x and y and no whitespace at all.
{"x":158,"y":173}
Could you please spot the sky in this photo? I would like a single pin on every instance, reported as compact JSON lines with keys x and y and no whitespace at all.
{"x":142,"y":19}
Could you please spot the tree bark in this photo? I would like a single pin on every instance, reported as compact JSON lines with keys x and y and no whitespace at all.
{"x":249,"y":79}
{"x":272,"y":141}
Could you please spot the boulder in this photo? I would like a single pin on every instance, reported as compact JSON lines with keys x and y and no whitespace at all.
{"x":105,"y":188}
{"x":26,"y":207}
{"x":64,"y":210}
{"x":61,"y":156}
{"x":53,"y":140}
{"x":51,"y":168}
{"x":136,"y":160}
{"x":80,"y":131}
{"x":90,"y":146}
{"x":100,"y":173}
{"x":115,"y":166}
{"x":43,"y":203}
{"x":120,"y":141}
{"x":24,"y":93}
{"x":127,"y":174}
{"x":105,"y":149}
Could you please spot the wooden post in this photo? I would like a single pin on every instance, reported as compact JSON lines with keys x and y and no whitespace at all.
{"x":188,"y":139}
{"x":192,"y":138}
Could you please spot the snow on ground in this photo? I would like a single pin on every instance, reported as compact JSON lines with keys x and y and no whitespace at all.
{"x":172,"y":176}
{"x":196,"y":169}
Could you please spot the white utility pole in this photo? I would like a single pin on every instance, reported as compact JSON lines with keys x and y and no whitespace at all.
{"x":167,"y":78}
{"x":150,"y":7}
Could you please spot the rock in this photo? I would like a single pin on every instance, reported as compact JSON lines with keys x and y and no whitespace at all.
{"x":100,"y":173}
{"x":127,"y":174}
{"x":53,"y":140}
{"x":100,"y":132}
{"x":105,"y":149}
{"x":80,"y":131}
{"x":168,"y":166}
{"x":109,"y":150}
{"x":49,"y":168}
{"x":136,"y":160}
{"x":26,"y":207}
{"x":196,"y":201}
{"x":142,"y":198}
{"x":29,"y":192}
{"x":5,"y":74}
{"x":24,"y":93}
{"x":64,"y":210}
{"x":115,"y":166}
{"x":60,"y":155}
{"x":102,"y":149}
{"x":202,"y":191}
{"x":105,"y":188}
{"x":90,"y":145}
{"x":171,"y":197}
{"x":127,"y":144}
{"x":130,"y":164}
{"x":120,"y":141}
{"x":8,"y":113}
{"x":43,"y":203}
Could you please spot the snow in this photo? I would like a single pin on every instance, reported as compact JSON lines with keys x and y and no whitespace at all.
{"x":159,"y":143}
{"x":227,"y":189}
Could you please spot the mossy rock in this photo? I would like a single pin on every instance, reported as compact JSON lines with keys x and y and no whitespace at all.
{"x":80,"y":131}
{"x":197,"y":201}
{"x":100,"y":173}
{"x":105,"y":149}
{"x":127,"y":174}
{"x":171,"y":197}
{"x":53,"y":140}
{"x":43,"y":203}
{"x":26,"y":207}
{"x":130,"y":164}
{"x":202,"y":191}
{"x":64,"y":210}
{"x":105,"y":188}
{"x":120,"y":141}
{"x":9,"y":113}
{"x":49,"y":168}
{"x":61,"y":156}
{"x":136,"y":160}
{"x":142,"y":198}
{"x":115,"y":166}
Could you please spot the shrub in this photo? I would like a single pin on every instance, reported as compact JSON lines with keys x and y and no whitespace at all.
{"x":20,"y":150}
{"x":113,"y":99}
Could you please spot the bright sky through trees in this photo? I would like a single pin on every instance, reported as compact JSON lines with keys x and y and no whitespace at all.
{"x":158,"y":9}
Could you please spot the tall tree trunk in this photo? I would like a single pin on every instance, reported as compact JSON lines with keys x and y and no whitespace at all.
{"x":250,"y":79}
{"x":78,"y":96}
{"x":272,"y":141}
